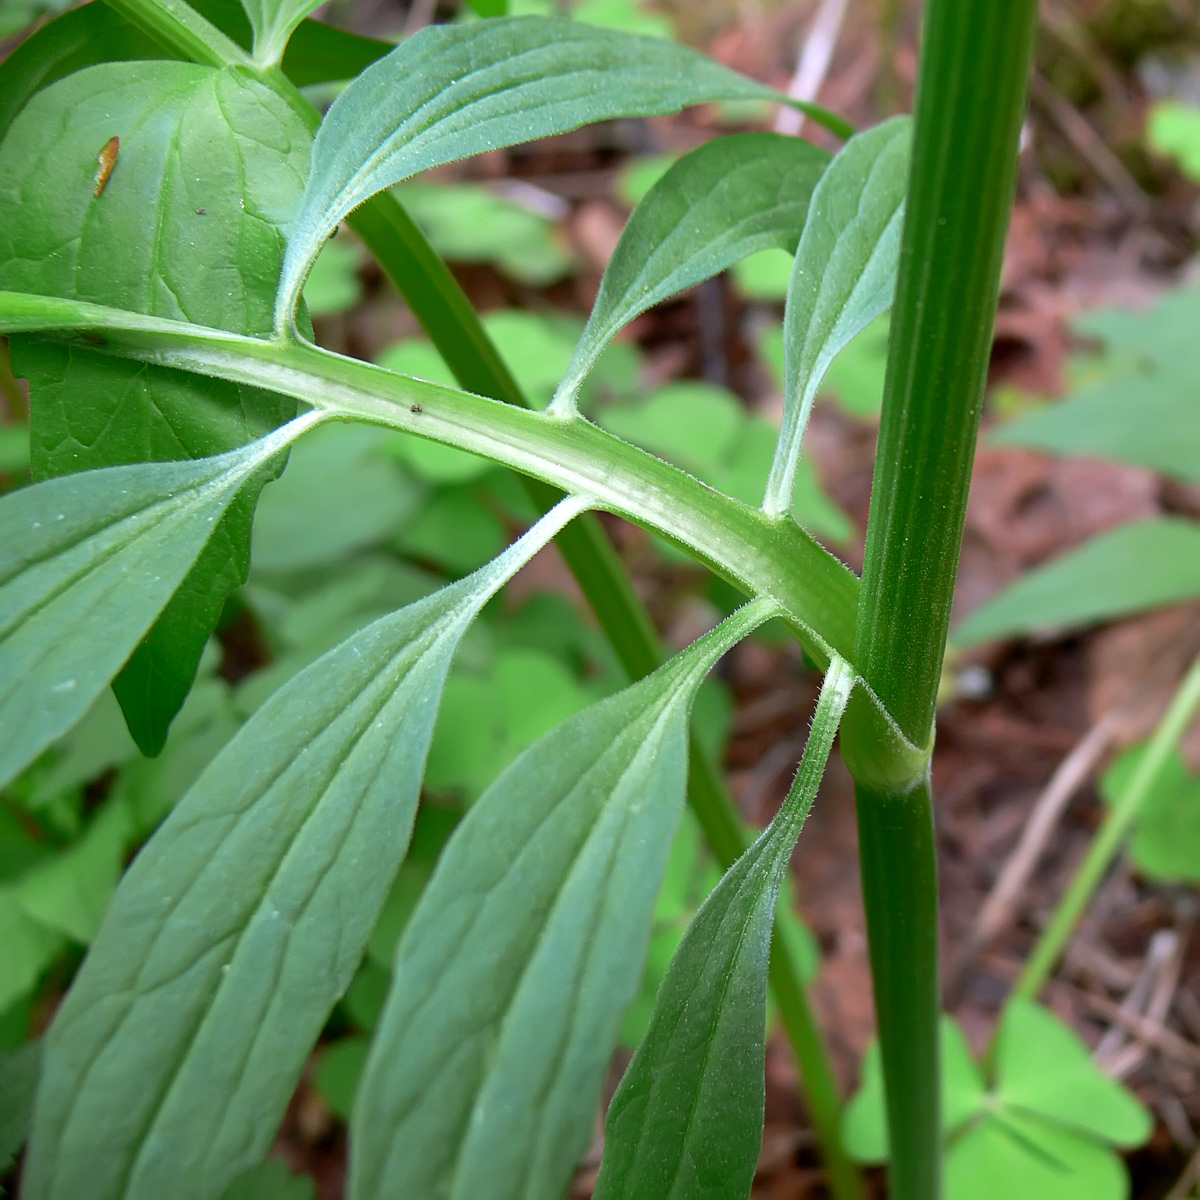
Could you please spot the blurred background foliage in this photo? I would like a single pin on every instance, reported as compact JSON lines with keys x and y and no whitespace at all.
{"x":1096,"y":361}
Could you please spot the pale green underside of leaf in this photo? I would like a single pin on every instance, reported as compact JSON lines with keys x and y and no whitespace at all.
{"x":843,"y":277}
{"x":524,"y":951}
{"x":728,"y":199}
{"x":273,"y":22}
{"x":86,"y":564}
{"x":686,"y":1122}
{"x":210,"y":165}
{"x":457,"y":90}
{"x":1138,"y":566}
{"x":243,"y":920}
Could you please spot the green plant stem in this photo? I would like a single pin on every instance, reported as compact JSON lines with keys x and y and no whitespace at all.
{"x":971,"y":98}
{"x":820,"y":1084}
{"x":178,"y":26}
{"x":1109,"y":839}
{"x":899,"y":872}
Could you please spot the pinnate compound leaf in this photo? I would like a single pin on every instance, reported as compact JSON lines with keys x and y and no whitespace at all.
{"x":843,"y":277}
{"x":728,"y":199}
{"x":456,"y":90}
{"x":209,"y":165}
{"x":1142,"y":565}
{"x":524,"y":950}
{"x":170,"y":1063}
{"x":87,"y":563}
{"x":686,"y":1122}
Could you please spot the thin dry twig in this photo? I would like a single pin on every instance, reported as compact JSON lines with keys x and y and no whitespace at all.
{"x":1186,"y":1181}
{"x":1163,"y":960}
{"x":1153,"y":1033}
{"x":1091,"y":147}
{"x":997,"y":909}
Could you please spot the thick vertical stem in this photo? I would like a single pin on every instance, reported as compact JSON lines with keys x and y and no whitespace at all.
{"x":899,"y":871}
{"x":971,"y":98}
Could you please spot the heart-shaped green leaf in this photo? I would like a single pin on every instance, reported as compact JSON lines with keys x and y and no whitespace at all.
{"x":1075,"y":1092}
{"x":1043,"y":1132}
{"x":843,"y":277}
{"x":179,"y":217}
{"x":864,"y":1123}
{"x":525,"y":949}
{"x":1166,"y":834}
{"x":731,"y":197}
{"x":1010,"y":1155}
{"x":456,"y":90}
{"x":86,"y":564}
{"x":245,"y":917}
{"x":686,"y":1122}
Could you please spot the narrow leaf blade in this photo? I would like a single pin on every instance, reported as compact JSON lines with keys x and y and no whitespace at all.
{"x":87,"y":563}
{"x":844,"y":276}
{"x":1142,"y":565}
{"x":1147,"y":419}
{"x":456,"y":90}
{"x":243,"y":920}
{"x":526,"y":947}
{"x":728,"y":199}
{"x":686,"y":1122}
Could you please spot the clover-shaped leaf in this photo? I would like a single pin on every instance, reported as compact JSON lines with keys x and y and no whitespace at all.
{"x":864,"y":1126}
{"x":1043,"y":1131}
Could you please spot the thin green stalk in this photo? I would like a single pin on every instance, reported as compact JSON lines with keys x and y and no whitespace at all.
{"x":971,"y":99}
{"x":181,"y":28}
{"x":1109,"y":839}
